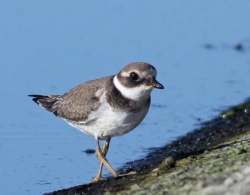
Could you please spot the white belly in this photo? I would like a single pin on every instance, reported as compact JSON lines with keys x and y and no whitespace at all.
{"x":108,"y":122}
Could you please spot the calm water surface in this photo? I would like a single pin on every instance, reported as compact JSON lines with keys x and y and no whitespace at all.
{"x":50,"y":47}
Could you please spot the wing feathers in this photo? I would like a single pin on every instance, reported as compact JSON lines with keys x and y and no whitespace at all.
{"x":76,"y":104}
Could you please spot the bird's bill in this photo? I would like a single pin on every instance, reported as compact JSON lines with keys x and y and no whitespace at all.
{"x":157,"y":85}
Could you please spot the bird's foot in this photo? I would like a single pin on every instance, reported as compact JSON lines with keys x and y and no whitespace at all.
{"x":127,"y":174}
{"x":96,"y":179}
{"x":99,"y":178}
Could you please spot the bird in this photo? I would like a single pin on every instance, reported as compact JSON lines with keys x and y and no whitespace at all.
{"x":106,"y":107}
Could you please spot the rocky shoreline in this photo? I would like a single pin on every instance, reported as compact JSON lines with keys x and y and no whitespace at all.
{"x":214,"y":159}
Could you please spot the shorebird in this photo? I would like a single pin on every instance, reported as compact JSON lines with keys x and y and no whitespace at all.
{"x":106,"y":107}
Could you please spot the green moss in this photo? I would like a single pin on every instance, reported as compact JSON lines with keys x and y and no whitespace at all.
{"x":233,"y":110}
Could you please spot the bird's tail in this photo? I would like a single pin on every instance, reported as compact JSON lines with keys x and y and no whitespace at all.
{"x":45,"y":101}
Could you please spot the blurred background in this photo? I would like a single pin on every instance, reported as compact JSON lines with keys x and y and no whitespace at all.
{"x":200,"y":49}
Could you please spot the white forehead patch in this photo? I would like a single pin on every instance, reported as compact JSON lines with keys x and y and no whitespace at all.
{"x":134,"y":93}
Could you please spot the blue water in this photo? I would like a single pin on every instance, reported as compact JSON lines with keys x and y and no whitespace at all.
{"x":48,"y":47}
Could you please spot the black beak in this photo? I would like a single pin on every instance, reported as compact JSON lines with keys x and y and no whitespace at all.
{"x":157,"y":85}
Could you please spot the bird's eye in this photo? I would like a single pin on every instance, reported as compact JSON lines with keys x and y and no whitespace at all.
{"x":134,"y":76}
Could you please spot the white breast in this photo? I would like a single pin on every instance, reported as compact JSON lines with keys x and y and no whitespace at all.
{"x":108,"y":122}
